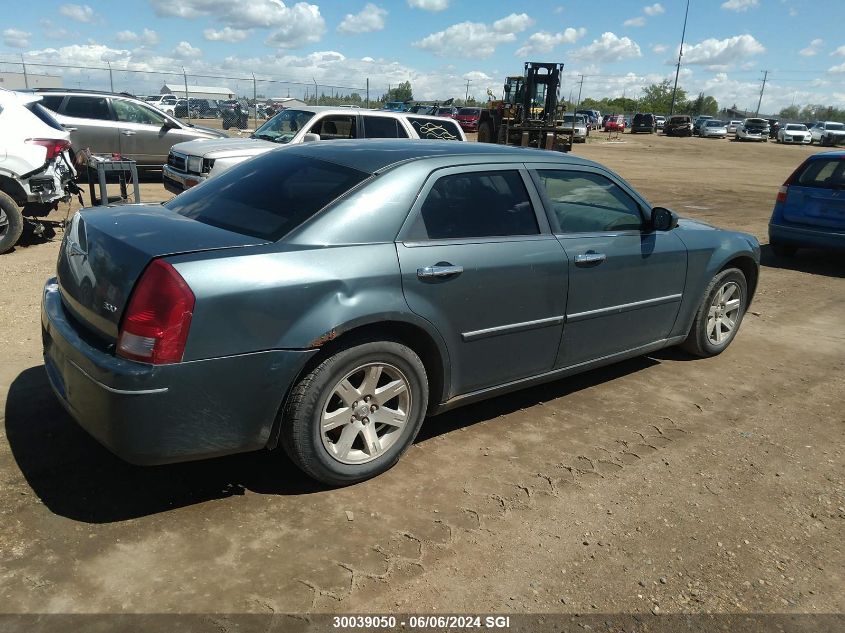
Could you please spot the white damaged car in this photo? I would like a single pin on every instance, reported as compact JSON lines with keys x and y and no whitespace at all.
{"x":36,"y":173}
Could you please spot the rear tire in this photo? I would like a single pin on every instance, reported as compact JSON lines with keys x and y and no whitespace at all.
{"x":485,"y":133}
{"x":338,"y":392}
{"x":11,"y":223}
{"x":718,"y":317}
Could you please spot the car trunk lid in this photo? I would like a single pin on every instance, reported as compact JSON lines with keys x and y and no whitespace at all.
{"x":815,"y":206}
{"x":104,"y":252}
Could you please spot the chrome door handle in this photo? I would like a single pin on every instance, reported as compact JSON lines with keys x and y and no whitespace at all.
{"x":590,"y":258}
{"x":70,"y":129}
{"x":128,"y":133}
{"x":431,"y":272}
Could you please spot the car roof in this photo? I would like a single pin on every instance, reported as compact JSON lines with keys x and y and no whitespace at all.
{"x":78,"y":91}
{"x":21,"y":98}
{"x":375,"y":155}
{"x":839,"y":153}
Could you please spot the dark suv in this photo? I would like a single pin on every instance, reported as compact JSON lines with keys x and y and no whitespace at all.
{"x":678,"y":125}
{"x":644,"y":123}
{"x":234,"y":113}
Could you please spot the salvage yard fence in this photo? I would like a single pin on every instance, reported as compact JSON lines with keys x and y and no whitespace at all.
{"x":256,"y":88}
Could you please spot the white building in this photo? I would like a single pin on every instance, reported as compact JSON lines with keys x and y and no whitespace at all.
{"x":17,"y":81}
{"x":197,"y":92}
{"x":285,"y":102}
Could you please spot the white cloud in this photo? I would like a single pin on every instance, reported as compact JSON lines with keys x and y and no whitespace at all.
{"x":545,"y":42}
{"x":54,"y":32}
{"x":609,"y":48}
{"x":659,"y":48}
{"x":184,"y":50}
{"x":296,"y":25}
{"x":147,"y":37}
{"x":839,"y":52}
{"x":740,"y":5}
{"x":16,"y":38}
{"x":371,"y":18}
{"x":638,"y":21}
{"x":654,"y":9}
{"x":226,"y":34}
{"x":429,"y":5}
{"x":474,"y":39}
{"x":731,"y":50}
{"x":837,"y":69}
{"x":812,"y":49}
{"x":78,"y":12}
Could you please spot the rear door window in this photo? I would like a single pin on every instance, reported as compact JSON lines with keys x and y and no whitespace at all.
{"x":88,"y":108}
{"x":269,"y":196}
{"x":383,"y":127}
{"x":476,"y":204}
{"x":432,"y":130}
{"x":824,"y":173}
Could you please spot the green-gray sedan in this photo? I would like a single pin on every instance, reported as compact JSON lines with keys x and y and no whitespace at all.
{"x":327,"y":297}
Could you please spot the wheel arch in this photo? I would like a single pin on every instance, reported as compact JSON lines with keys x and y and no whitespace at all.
{"x":13,"y":189}
{"x":427,"y":344}
{"x":749,"y":268}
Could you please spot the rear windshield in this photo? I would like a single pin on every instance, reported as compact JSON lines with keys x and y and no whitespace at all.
{"x":267,"y":197}
{"x":827,"y":173}
{"x":44,"y":114}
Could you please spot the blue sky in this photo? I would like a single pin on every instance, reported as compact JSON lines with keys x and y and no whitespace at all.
{"x":439,"y":45}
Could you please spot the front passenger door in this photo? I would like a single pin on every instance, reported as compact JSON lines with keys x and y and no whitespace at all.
{"x":625,"y":280}
{"x":143,"y":135}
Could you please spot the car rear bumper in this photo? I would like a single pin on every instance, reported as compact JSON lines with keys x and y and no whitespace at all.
{"x":156,"y":414}
{"x":791,"y":235}
{"x":177,"y":182}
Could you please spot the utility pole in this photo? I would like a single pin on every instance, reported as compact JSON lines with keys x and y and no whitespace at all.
{"x":466,"y":97}
{"x":25,"y":76}
{"x":368,"y":93}
{"x":187,"y":97}
{"x":575,"y":110}
{"x":254,"y":102}
{"x":111,"y":79}
{"x":678,"y":67}
{"x":762,"y":89}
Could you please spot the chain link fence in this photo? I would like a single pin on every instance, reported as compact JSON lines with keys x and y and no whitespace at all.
{"x":194,"y":94}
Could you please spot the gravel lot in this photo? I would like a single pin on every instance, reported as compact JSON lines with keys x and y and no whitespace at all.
{"x":662,"y":484}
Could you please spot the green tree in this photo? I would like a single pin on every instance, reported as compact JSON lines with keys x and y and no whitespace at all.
{"x":792,"y":112}
{"x":658,"y":97}
{"x":402,"y":92}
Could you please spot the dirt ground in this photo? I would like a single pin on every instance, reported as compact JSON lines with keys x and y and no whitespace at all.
{"x":662,"y":484}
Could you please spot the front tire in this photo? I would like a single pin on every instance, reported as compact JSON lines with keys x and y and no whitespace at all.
{"x":354,"y":415}
{"x":719,"y":315}
{"x":11,"y":223}
{"x":485,"y":133}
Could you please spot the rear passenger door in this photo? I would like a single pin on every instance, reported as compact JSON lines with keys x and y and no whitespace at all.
{"x":478,"y":261}
{"x":91,"y":123}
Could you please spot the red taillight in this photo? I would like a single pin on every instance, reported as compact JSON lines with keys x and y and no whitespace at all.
{"x":782,"y":193}
{"x":156,"y":323}
{"x":54,"y":146}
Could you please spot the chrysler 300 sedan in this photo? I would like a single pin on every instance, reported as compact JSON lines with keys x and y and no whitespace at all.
{"x":327,"y":297}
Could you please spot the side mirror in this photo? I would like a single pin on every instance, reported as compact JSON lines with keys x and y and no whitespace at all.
{"x":170,"y":125}
{"x":310,"y":137}
{"x":663,"y":219}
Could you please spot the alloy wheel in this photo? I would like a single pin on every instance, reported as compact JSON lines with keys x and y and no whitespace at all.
{"x":365,"y":413}
{"x":724,"y":313}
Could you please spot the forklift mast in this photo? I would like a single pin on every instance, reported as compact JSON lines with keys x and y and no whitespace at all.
{"x":540,"y":95}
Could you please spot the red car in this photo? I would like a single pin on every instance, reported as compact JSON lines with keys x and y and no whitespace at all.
{"x":468,"y":119}
{"x":614,"y":123}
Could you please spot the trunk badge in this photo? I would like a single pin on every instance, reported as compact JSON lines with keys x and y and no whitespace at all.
{"x":110,"y":307}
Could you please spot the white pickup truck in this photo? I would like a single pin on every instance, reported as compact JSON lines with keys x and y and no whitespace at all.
{"x":192,"y":162}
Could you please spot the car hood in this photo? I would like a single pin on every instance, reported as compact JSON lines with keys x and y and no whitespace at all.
{"x":225,"y":147}
{"x":208,"y":130}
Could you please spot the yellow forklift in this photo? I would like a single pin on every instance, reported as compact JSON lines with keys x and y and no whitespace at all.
{"x":528,"y":114}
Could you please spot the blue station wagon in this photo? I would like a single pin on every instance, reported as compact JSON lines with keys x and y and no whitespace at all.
{"x":327,"y":297}
{"x":810,"y":206}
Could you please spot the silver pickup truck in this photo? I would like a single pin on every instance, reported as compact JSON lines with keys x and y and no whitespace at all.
{"x":192,"y":162}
